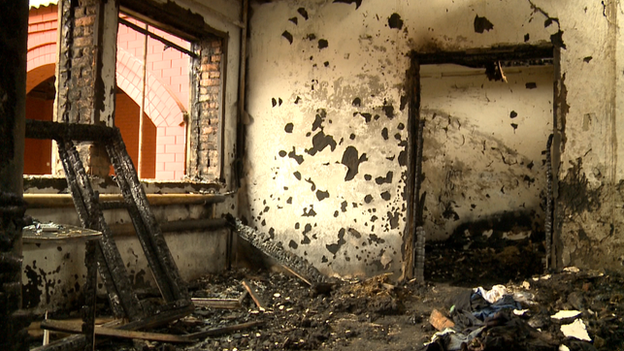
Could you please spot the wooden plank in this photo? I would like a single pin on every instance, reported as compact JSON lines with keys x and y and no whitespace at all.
{"x":297,"y":275}
{"x":223,"y":330}
{"x":149,"y":233}
{"x":70,"y":327}
{"x":216,"y":303}
{"x":124,"y":301}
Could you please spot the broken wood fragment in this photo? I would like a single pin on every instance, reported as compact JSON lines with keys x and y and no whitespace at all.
{"x":71,"y":327}
{"x":439,"y":321}
{"x":167,"y":314}
{"x":296,"y":275}
{"x":216,"y":303}
{"x":222,"y":330}
{"x":262,"y":242}
{"x":254,"y":296}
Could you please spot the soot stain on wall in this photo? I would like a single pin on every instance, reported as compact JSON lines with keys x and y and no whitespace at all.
{"x":31,"y":292}
{"x":293,"y":155}
{"x":351,"y":160}
{"x":288,"y":36}
{"x":386,"y":179}
{"x":356,"y":2}
{"x":320,"y":141}
{"x":333,"y":248}
{"x":395,"y":21}
{"x":482,"y":24}
{"x":322,"y":195}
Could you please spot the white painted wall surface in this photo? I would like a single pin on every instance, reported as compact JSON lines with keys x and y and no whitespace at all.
{"x":367,"y":59}
{"x":478,"y":167}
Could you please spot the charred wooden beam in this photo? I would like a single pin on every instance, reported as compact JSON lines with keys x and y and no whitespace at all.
{"x":166,"y":315}
{"x":223,"y":330}
{"x":68,"y":327}
{"x":90,"y":289}
{"x":419,"y":236}
{"x":170,"y":17}
{"x":262,"y":242}
{"x":157,"y":37}
{"x":216,"y":303}
{"x":413,"y":92}
{"x":548,"y":221}
{"x":160,"y":260}
{"x":124,"y":301}
{"x":67,"y":131}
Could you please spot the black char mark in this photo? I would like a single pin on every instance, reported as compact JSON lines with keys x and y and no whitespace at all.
{"x":322,"y":44}
{"x":322,"y":195}
{"x":288,"y":128}
{"x":386,"y":179}
{"x":482,"y":24}
{"x":388,"y":110}
{"x":356,"y":2}
{"x":351,"y":160}
{"x":296,"y":157}
{"x":303,"y":13}
{"x":288,"y":36}
{"x":333,"y":248}
{"x":320,"y":141}
{"x":395,"y":21}
{"x":318,"y":120}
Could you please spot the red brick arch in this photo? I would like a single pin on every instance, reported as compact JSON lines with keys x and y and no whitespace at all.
{"x":161,"y":105}
{"x":40,"y":65}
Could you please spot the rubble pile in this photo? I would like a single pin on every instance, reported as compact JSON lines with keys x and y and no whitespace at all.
{"x":275,"y":310}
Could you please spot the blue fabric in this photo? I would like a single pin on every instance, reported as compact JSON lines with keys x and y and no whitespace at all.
{"x":506,"y":302}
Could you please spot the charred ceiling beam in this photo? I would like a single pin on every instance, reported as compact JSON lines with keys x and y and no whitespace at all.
{"x":484,"y":57}
{"x":157,"y":37}
{"x":171,"y":18}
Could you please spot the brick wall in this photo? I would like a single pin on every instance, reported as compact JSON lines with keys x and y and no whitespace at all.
{"x":128,"y":125}
{"x":37,"y":153}
{"x":167,"y":98}
{"x":204,"y":160}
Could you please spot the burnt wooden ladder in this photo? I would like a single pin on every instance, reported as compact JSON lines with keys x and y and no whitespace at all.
{"x":123,"y":299}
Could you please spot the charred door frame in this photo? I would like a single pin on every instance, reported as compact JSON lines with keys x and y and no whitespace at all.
{"x":478,"y":58}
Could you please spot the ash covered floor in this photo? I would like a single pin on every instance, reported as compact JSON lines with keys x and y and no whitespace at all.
{"x":377,"y":314}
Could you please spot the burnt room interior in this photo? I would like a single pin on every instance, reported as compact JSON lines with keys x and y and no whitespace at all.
{"x":311,"y":175}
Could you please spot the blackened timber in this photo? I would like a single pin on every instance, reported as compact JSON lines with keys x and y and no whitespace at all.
{"x":223,"y":330}
{"x":263,"y":242}
{"x":419,"y":236}
{"x":67,"y":131}
{"x":413,"y":92}
{"x":479,"y":57}
{"x":166,"y":315}
{"x":157,"y":37}
{"x":163,"y":267}
{"x":171,"y":18}
{"x":90,"y":288}
{"x":124,"y":301}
